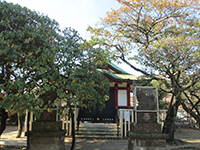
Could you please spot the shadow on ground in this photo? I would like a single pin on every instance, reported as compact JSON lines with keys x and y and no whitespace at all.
{"x":99,"y":144}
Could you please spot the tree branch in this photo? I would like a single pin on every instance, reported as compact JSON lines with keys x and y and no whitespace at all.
{"x":15,"y":112}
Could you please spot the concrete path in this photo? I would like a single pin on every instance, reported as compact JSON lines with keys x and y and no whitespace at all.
{"x":9,"y":137}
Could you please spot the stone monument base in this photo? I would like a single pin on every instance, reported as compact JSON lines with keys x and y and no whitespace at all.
{"x":146,"y":137}
{"x":47,"y":140}
{"x":47,"y":133}
{"x":147,"y":141}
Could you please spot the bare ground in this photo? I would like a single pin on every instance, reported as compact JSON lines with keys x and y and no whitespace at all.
{"x":186,"y":139}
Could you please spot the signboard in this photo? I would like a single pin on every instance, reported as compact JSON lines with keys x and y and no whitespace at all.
{"x":127,"y":115}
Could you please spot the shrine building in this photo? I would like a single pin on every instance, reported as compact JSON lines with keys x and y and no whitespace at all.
{"x":121,"y":83}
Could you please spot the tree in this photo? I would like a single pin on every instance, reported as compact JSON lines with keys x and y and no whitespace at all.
{"x":163,"y":37}
{"x":26,"y":45}
{"x":174,"y":58}
{"x":77,"y":80}
{"x":78,"y":62}
{"x":41,"y":65}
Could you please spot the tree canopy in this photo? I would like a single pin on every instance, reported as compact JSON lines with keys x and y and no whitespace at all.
{"x":26,"y":49}
{"x":40,"y":63}
{"x":163,"y":36}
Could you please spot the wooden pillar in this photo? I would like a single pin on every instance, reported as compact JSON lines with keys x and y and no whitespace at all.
{"x":128,"y":95}
{"x":116,"y":95}
{"x":116,"y":100}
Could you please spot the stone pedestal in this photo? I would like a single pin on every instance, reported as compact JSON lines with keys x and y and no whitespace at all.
{"x":47,"y":133}
{"x":147,"y":141}
{"x":146,"y":137}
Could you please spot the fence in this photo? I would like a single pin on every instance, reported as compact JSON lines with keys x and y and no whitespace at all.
{"x":126,"y":117}
{"x":184,"y":120}
{"x":66,"y":120}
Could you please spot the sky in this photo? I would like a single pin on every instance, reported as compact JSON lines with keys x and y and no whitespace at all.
{"x":77,"y":14}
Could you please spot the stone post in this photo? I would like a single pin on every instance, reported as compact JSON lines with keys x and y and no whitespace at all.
{"x":47,"y":133}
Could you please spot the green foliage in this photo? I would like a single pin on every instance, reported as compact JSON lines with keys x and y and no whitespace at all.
{"x":26,"y":49}
{"x":79,"y":81}
{"x":162,"y":95}
{"x":39,"y":64}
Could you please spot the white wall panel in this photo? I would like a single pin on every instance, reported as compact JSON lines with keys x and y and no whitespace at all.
{"x":122,"y":97}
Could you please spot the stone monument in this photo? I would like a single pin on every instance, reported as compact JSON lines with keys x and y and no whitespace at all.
{"x":146,"y":133}
{"x":47,"y":133}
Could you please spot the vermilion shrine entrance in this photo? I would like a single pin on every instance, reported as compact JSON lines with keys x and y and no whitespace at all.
{"x":120,"y":85}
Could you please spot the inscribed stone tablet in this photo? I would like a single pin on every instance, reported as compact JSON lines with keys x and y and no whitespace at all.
{"x":146,"y":99}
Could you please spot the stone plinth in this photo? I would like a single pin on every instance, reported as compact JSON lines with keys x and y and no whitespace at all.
{"x":146,"y":128}
{"x":146,"y":137}
{"x":47,"y":141}
{"x":46,"y":126}
{"x":138,"y":141}
{"x":47,"y":134}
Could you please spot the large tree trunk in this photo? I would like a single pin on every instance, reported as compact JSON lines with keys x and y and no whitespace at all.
{"x":3,"y":117}
{"x":73,"y":129}
{"x":20,"y":125}
{"x":169,"y":123}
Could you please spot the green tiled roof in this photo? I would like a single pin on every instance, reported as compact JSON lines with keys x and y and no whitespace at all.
{"x":119,"y":77}
{"x":127,"y":76}
{"x":117,"y":69}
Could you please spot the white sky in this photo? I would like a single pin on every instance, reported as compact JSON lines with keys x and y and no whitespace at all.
{"x":77,"y":14}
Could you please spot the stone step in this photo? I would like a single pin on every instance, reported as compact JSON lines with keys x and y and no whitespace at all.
{"x":98,"y":131}
{"x":97,"y":125}
{"x":98,"y":137}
